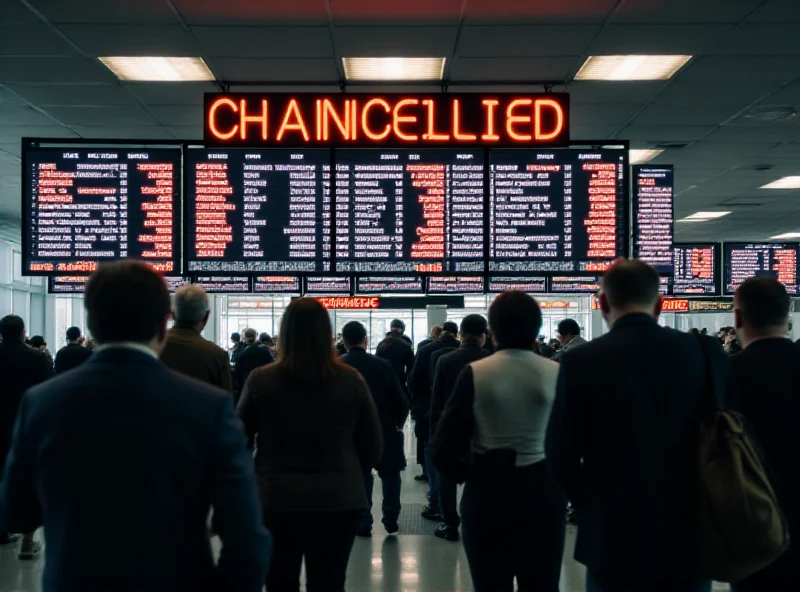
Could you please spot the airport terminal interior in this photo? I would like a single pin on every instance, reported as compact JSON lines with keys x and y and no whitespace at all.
{"x":397,"y":161}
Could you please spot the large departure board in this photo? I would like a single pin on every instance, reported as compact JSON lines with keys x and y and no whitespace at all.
{"x":455,"y":285}
{"x":696,"y":269}
{"x":328,"y":285}
{"x":745,"y":260}
{"x":559,"y":211}
{"x":82,"y":206}
{"x":653,"y":191}
{"x":276,"y":284}
{"x":401,"y":211}
{"x":524,"y":284}
{"x":258,"y":211}
{"x":390,"y":285}
{"x":214,"y":284}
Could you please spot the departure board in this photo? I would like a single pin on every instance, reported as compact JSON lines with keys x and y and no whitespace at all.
{"x":328,"y":285}
{"x":214,"y":284}
{"x":455,"y":285}
{"x":175,"y":282}
{"x":524,"y":284}
{"x":258,"y":211}
{"x":653,"y":191}
{"x":69,"y":284}
{"x":576,"y":285}
{"x":696,"y":269}
{"x":82,"y":206}
{"x":746,"y":260}
{"x":404,"y":211}
{"x":276,"y":284}
{"x":557,"y":211}
{"x":390,"y":285}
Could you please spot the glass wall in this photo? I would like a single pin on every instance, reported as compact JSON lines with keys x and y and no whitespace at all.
{"x":23,"y":296}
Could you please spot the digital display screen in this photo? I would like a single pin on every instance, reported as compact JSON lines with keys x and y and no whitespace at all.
{"x":389,"y":285}
{"x":653,"y":191}
{"x":455,"y":285}
{"x":223,"y":284}
{"x":175,"y":282}
{"x":696,"y":269}
{"x":524,"y":284}
{"x":66,"y":284}
{"x":577,"y":285}
{"x":276,"y":284}
{"x":258,"y":211}
{"x":557,"y":211}
{"x":775,"y":260}
{"x":328,"y":285}
{"x":665,"y":286}
{"x":409,"y":211}
{"x":82,"y":206}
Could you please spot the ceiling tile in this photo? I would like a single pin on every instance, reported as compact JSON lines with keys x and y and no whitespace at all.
{"x":265,"y":42}
{"x":666,"y":39}
{"x":538,"y":11}
{"x":760,"y":39}
{"x":112,"y":116}
{"x":53,"y":70}
{"x":24,"y":115}
{"x":284,"y":70}
{"x":754,"y":133}
{"x":686,"y":114}
{"x":178,"y":116}
{"x":10,"y":98}
{"x":105,"y":11}
{"x":591,"y":132}
{"x":778,"y":11}
{"x":13,"y":134}
{"x":789,"y":95}
{"x":741,"y":69}
{"x":102,"y":95}
{"x":187,"y":132}
{"x":525,"y":40}
{"x":408,"y":12}
{"x":170,"y":93}
{"x":125,"y":133}
{"x":654,"y":134}
{"x":6,"y":157}
{"x":684,"y":11}
{"x":395,"y":41}
{"x":693,"y":92}
{"x":585,"y":91}
{"x":592,"y":113}
{"x":32,"y":40}
{"x":14,"y":13}
{"x":13,"y":148}
{"x":511,"y":69}
{"x":248,"y":12}
{"x":132,"y":40}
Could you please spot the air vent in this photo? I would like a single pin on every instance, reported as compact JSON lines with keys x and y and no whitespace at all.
{"x":672,"y":145}
{"x":770,"y":113}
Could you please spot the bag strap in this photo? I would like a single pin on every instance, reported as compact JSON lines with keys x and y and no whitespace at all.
{"x":715,"y":398}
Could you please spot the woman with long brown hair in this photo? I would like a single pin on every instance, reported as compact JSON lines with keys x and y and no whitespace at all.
{"x":315,"y":427}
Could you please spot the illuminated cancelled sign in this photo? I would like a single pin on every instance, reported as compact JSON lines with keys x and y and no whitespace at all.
{"x":255,"y":119}
{"x":357,"y":303}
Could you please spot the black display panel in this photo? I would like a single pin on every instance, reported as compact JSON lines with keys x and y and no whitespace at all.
{"x":525,"y":284}
{"x":81,"y":206}
{"x":175,"y":282}
{"x":390,"y":285}
{"x":409,"y":211}
{"x":328,"y":285}
{"x":223,"y":284}
{"x":696,"y":269}
{"x":746,"y":260}
{"x":66,"y":284}
{"x":455,"y":285}
{"x":665,"y":287}
{"x":653,"y":226}
{"x":575,"y":285}
{"x":258,"y":211}
{"x":276,"y":284}
{"x":557,"y":211}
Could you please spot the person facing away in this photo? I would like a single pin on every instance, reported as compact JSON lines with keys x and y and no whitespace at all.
{"x":316,"y":427}
{"x":236,"y":348}
{"x":21,"y":368}
{"x":448,"y":364}
{"x":251,"y":358}
{"x":436,"y":333}
{"x":491,"y":436}
{"x":392,"y":405}
{"x":186,"y":350}
{"x":121,"y":460}
{"x":396,"y":349}
{"x":38,"y":343}
{"x":767,"y":377}
{"x":569,"y":336}
{"x":73,"y":354}
{"x":622,"y":439}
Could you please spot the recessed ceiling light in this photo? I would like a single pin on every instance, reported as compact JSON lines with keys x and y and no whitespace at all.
{"x":784,"y":183}
{"x":643,"y":156}
{"x":631,"y":67}
{"x":785,"y":236}
{"x":158,"y":69}
{"x":703,"y":216}
{"x":375,"y":69}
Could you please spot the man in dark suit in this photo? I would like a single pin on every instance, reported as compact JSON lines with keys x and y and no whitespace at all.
{"x":448,"y":364}
{"x":122,"y":459}
{"x":396,"y":349}
{"x":622,"y":439}
{"x":392,"y":405}
{"x":420,"y":382}
{"x":253,"y":357}
{"x":73,"y":354}
{"x":21,"y":367}
{"x":436,"y":333}
{"x":767,"y":376}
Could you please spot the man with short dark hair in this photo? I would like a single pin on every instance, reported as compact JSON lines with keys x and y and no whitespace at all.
{"x":237,"y":347}
{"x":569,"y":335}
{"x":622,"y":439}
{"x":392,"y":405}
{"x":396,"y":349}
{"x":436,"y":333}
{"x":123,"y":452}
{"x":73,"y":354}
{"x":767,"y":376}
{"x":254,"y":356}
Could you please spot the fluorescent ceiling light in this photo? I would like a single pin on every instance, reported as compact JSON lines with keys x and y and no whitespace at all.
{"x":784,"y":183}
{"x":631,"y":67}
{"x":643,"y":156}
{"x":703,"y":216}
{"x":373,"y":69}
{"x":785,"y":236}
{"x":158,"y":69}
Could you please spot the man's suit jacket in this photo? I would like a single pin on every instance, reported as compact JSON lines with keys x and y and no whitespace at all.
{"x":420,"y":382}
{"x":121,"y":460}
{"x":253,"y":357}
{"x":71,"y":356}
{"x":189,"y":353}
{"x":398,"y":352}
{"x":622,"y":442}
{"x":447,"y":365}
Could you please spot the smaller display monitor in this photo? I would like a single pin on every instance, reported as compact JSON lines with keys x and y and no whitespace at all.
{"x":223,"y":284}
{"x":653,"y":191}
{"x":66,"y":284}
{"x":389,"y":285}
{"x":175,"y":281}
{"x":696,"y":269}
{"x":499,"y":283}
{"x":456,"y":285}
{"x":574,"y":285}
{"x":328,"y":286}
{"x":775,"y":260}
{"x":276,"y":284}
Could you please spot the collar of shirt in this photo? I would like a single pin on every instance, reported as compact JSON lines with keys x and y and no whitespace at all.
{"x":140,"y":347}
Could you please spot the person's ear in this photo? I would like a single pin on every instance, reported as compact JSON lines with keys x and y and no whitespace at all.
{"x":658,"y":307}
{"x":603,"y":301}
{"x":206,"y":317}
{"x":738,"y":318}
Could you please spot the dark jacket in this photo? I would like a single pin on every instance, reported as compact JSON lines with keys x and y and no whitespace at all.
{"x":767,"y":376}
{"x":447,"y":365}
{"x":71,"y":356}
{"x":391,"y":402}
{"x":622,"y":442}
{"x":313,"y":441}
{"x":399,"y":354}
{"x":189,"y":353}
{"x":250,"y":359}
{"x":122,"y":452}
{"x":424,"y":342}
{"x":420,"y":382}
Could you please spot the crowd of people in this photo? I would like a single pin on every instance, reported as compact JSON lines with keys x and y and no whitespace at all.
{"x":161,"y":435}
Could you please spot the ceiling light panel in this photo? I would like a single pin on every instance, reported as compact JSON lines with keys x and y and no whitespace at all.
{"x":403,"y":69}
{"x":158,"y":69}
{"x":631,"y":67}
{"x":643,"y":156}
{"x":784,"y":183}
{"x":703,"y":216}
{"x":785,"y":236}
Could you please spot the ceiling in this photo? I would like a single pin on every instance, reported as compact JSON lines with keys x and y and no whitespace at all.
{"x":746,"y":61}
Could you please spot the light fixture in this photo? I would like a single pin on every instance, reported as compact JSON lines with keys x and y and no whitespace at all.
{"x":643,"y":156}
{"x":703,"y":216}
{"x":785,"y":236}
{"x":631,"y":67}
{"x":405,"y":69}
{"x":158,"y":69}
{"x":784,"y":183}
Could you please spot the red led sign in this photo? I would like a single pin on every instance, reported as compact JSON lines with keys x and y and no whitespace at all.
{"x":675,"y":305}
{"x":349,"y":303}
{"x":292,"y":120}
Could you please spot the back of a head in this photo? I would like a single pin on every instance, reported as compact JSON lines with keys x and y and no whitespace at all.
{"x":264,"y":338}
{"x":190,"y":305}
{"x":450,"y":328}
{"x":250,"y":335}
{"x":436,"y":331}
{"x":305,"y":342}
{"x":126,"y":301}
{"x":354,"y":334}
{"x":73,"y":334}
{"x":569,"y":327}
{"x":631,"y":283}
{"x":397,"y":326}
{"x":515,"y":319}
{"x":763,"y":302}
{"x":235,"y":337}
{"x":38,"y":341}
{"x":474,"y":326}
{"x":11,"y":328}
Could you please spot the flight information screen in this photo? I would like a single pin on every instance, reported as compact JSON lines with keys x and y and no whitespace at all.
{"x":328,"y":285}
{"x":696,"y":270}
{"x":524,"y":284}
{"x":175,"y":281}
{"x":258,"y":211}
{"x":86,"y":205}
{"x":66,"y":284}
{"x":746,"y":260}
{"x":577,"y":285}
{"x":276,"y":284}
{"x":455,"y":285}
{"x":389,"y":285}
{"x":557,"y":211}
{"x":665,"y":286}
{"x":653,"y":191}
{"x":401,"y":211}
{"x":223,"y":284}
